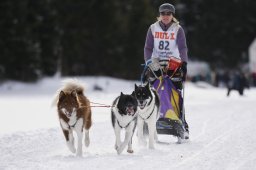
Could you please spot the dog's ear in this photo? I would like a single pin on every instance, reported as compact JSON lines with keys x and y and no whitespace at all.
{"x":136,"y":86}
{"x":121,"y":94}
{"x":147,"y":85}
{"x":133,"y":93}
{"x":73,"y":93}
{"x":61,"y":95}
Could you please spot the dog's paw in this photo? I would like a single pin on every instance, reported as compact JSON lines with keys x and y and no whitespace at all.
{"x":120,"y":150}
{"x":79,"y":154}
{"x":71,"y":147}
{"x":115,"y":147}
{"x":129,"y":150}
{"x":180,"y":140}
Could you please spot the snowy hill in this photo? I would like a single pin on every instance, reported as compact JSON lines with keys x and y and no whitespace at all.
{"x":222,"y":130}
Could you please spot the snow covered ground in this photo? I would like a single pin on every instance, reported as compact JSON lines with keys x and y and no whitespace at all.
{"x":222,"y":130}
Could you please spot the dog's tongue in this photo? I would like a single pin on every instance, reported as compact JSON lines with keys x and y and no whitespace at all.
{"x":141,"y":106}
{"x":130,"y":110}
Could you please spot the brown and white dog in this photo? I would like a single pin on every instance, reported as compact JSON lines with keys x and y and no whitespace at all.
{"x":74,"y":114}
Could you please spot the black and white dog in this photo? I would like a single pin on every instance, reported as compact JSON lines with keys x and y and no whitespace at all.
{"x":124,"y":116}
{"x":148,"y":112}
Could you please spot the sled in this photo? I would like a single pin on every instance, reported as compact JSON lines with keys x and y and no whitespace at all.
{"x":171,"y":120}
{"x":171,"y":108}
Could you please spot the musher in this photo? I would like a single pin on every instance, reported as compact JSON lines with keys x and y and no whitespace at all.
{"x":166,"y":39}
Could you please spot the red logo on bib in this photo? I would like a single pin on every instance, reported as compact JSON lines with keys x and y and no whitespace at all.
{"x":172,"y":36}
{"x":164,"y":35}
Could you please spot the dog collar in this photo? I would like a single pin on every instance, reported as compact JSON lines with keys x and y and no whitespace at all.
{"x":73,"y":124}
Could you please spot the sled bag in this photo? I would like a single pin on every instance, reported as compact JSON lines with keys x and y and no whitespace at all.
{"x":170,"y":99}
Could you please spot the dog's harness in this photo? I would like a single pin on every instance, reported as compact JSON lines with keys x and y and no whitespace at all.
{"x":73,"y":124}
{"x":149,"y":114}
{"x":127,"y":124}
{"x":67,"y":122}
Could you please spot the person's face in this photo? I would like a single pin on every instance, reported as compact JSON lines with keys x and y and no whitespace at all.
{"x":166,"y":17}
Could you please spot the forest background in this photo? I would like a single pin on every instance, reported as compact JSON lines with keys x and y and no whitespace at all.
{"x":40,"y":38}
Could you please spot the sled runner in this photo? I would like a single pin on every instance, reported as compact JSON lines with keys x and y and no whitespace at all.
{"x":169,"y":87}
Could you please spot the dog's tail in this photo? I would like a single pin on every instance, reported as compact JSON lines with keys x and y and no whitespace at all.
{"x":68,"y":86}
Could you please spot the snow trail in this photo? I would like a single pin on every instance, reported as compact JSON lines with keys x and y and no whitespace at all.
{"x":222,"y":131}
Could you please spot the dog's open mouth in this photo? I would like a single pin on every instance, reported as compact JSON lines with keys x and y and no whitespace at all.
{"x":130,"y":111}
{"x":69,"y":114}
{"x":142,"y":104}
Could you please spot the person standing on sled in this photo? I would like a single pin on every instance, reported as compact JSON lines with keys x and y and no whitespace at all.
{"x":165,"y":39}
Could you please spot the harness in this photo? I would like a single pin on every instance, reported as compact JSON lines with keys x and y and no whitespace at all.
{"x":149,"y":114}
{"x":127,"y":124}
{"x":73,"y":124}
{"x":69,"y":119}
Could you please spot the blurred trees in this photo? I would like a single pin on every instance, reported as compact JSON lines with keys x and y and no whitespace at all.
{"x":27,"y":40}
{"x":92,"y":37}
{"x":220,"y":32}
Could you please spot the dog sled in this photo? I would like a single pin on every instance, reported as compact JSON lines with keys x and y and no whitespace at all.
{"x":169,"y":86}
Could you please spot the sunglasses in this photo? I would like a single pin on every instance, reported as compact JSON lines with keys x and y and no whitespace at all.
{"x":166,"y":13}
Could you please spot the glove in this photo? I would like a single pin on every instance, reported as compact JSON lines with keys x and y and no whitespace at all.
{"x":153,"y":64}
{"x":184,"y":70}
{"x":155,"y":67}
